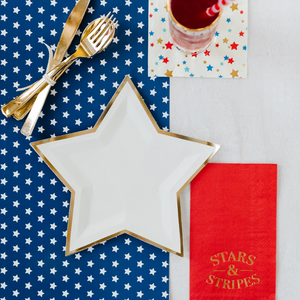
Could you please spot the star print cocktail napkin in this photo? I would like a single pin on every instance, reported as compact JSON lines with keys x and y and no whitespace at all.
{"x":226,"y":57}
{"x":233,"y":232}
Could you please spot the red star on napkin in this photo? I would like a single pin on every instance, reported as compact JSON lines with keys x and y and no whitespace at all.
{"x":207,"y":53}
{"x":169,"y":45}
{"x":165,"y":60}
{"x":234,"y":46}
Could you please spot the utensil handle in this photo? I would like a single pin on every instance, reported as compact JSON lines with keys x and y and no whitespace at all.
{"x":57,"y":71}
{"x":15,"y":104}
{"x":21,"y":113}
{"x":25,"y":109}
{"x":35,"y":111}
{"x":37,"y":107}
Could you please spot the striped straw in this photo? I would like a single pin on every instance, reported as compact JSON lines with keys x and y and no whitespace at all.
{"x":216,"y":7}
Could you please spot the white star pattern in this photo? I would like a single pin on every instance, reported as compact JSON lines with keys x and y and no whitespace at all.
{"x":34,"y":204}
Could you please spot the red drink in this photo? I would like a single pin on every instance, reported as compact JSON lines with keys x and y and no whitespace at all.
{"x":191,"y":13}
{"x":191,"y":29}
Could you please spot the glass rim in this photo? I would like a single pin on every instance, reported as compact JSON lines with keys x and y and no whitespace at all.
{"x":191,"y":29}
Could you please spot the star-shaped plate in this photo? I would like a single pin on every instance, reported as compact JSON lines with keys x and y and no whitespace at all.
{"x":125,"y":175}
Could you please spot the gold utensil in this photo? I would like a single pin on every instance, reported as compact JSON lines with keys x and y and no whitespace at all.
{"x":92,"y":42}
{"x":65,"y":40}
{"x":38,"y":105}
{"x":21,"y":113}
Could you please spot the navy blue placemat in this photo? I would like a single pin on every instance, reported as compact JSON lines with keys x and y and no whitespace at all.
{"x":34,"y":204}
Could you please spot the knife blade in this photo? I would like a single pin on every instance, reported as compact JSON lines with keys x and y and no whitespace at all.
{"x":67,"y":35}
{"x":69,"y":31}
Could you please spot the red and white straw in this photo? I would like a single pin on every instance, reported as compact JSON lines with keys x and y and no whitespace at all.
{"x":211,"y":11}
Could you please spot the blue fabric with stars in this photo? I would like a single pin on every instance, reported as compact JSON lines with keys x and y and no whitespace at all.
{"x":34,"y":204}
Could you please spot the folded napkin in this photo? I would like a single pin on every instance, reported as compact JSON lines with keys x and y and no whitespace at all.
{"x":233,"y":232}
{"x":226,"y":57}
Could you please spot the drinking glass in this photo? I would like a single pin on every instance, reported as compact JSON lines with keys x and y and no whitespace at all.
{"x":191,"y":40}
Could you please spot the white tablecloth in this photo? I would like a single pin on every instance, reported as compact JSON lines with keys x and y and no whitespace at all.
{"x":256,"y":120}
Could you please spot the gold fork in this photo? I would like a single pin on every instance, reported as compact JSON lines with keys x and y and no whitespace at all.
{"x":21,"y":113}
{"x":93,"y":40}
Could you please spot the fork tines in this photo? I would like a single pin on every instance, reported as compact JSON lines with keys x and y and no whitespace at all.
{"x":95,"y":32}
{"x":107,"y":36}
{"x":108,"y":29}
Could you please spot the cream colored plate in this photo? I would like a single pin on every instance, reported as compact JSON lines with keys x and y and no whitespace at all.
{"x":125,"y":175}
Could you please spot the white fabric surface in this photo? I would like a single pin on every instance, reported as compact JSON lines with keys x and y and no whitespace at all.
{"x":256,"y":120}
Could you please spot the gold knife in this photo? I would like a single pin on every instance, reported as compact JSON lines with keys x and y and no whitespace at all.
{"x":66,"y":38}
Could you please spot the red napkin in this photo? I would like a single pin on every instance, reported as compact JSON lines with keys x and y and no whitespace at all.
{"x":233,"y":232}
